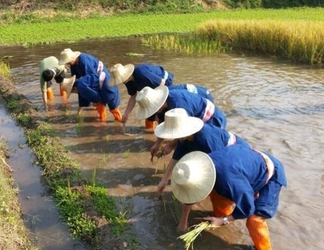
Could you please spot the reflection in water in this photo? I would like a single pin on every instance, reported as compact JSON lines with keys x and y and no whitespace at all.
{"x":276,"y":106}
{"x":38,"y":209}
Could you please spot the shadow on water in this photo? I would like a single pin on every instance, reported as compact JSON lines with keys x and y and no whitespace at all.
{"x":38,"y":209}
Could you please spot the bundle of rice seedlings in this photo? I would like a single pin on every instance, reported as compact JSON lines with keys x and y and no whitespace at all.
{"x":190,"y":237}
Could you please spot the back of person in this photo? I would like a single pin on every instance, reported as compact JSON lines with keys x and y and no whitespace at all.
{"x":87,"y":64}
{"x":148,"y":75}
{"x":202,"y":91}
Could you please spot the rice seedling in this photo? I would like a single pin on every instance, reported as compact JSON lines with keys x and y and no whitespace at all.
{"x":190,"y":236}
{"x":126,"y":154}
{"x":135,"y":54}
{"x":4,"y":69}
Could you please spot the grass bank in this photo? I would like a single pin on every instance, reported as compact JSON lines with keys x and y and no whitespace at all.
{"x":83,"y":204}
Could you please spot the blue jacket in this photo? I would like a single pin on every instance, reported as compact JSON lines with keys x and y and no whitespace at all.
{"x":148,"y":75}
{"x":241,"y":173}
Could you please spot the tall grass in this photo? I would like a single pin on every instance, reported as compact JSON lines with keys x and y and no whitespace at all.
{"x":297,"y":40}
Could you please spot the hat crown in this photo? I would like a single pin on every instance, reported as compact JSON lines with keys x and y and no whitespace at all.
{"x":67,"y":55}
{"x":150,"y":100}
{"x":175,"y":118}
{"x":186,"y":174}
{"x":118,"y":70}
{"x":178,"y":124}
{"x":193,"y":177}
{"x":120,"y":73}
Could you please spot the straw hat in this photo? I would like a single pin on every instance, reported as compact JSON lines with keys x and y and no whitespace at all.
{"x":120,"y":73}
{"x":67,"y":55}
{"x":193,"y":177}
{"x":67,"y":84}
{"x":150,"y":101}
{"x":177,"y":124}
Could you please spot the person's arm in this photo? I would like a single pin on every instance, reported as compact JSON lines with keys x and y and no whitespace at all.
{"x":219,"y":221}
{"x":130,"y":106}
{"x":44,"y":97}
{"x":155,"y":148}
{"x":169,"y":147}
{"x":166,"y":175}
{"x":79,"y":111}
{"x":183,"y":222}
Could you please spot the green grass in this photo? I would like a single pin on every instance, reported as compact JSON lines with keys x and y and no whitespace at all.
{"x":36,"y":32}
{"x":4,"y":69}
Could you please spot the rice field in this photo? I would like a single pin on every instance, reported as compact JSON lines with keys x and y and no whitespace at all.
{"x":73,"y":27}
{"x":295,"y":34}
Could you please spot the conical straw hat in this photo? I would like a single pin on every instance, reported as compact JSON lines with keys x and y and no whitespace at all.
{"x":150,"y":101}
{"x":67,"y":84}
{"x":177,"y":124}
{"x":119,"y":73}
{"x":67,"y":55}
{"x":193,"y":177}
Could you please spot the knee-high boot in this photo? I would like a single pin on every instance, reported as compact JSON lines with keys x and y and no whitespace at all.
{"x":221,"y":205}
{"x":101,"y":108}
{"x":116,"y":113}
{"x":50,"y":94}
{"x":62,"y":92}
{"x":259,"y":232}
{"x":149,"y":124}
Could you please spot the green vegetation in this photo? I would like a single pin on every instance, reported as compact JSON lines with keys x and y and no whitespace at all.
{"x":77,"y":199}
{"x":75,"y":28}
{"x":4,"y":69}
{"x":13,"y":234}
{"x":297,"y":40}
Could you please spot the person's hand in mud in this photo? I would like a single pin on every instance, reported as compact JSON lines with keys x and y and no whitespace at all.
{"x":124,"y":118}
{"x":155,"y":149}
{"x":163,"y":183}
{"x":79,"y":111}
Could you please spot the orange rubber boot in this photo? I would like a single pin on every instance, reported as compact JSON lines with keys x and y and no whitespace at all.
{"x":116,"y":113}
{"x":259,"y":232}
{"x":62,"y":92}
{"x":101,"y":111}
{"x":221,"y":205}
{"x":149,"y":124}
{"x":50,"y":94}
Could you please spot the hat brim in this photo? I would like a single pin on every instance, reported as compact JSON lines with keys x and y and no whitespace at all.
{"x":114,"y":81}
{"x":143,"y":113}
{"x":192,"y":126}
{"x":76,"y":55}
{"x":203,"y":186}
{"x":67,"y":85}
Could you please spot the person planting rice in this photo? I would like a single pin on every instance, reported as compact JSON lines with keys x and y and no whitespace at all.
{"x":160,"y":100}
{"x":242,"y":183}
{"x":50,"y":70}
{"x":135,"y":79}
{"x":82,"y":64}
{"x":198,"y":136}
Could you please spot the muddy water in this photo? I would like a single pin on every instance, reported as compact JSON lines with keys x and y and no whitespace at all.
{"x":38,"y":209}
{"x":275,"y":105}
